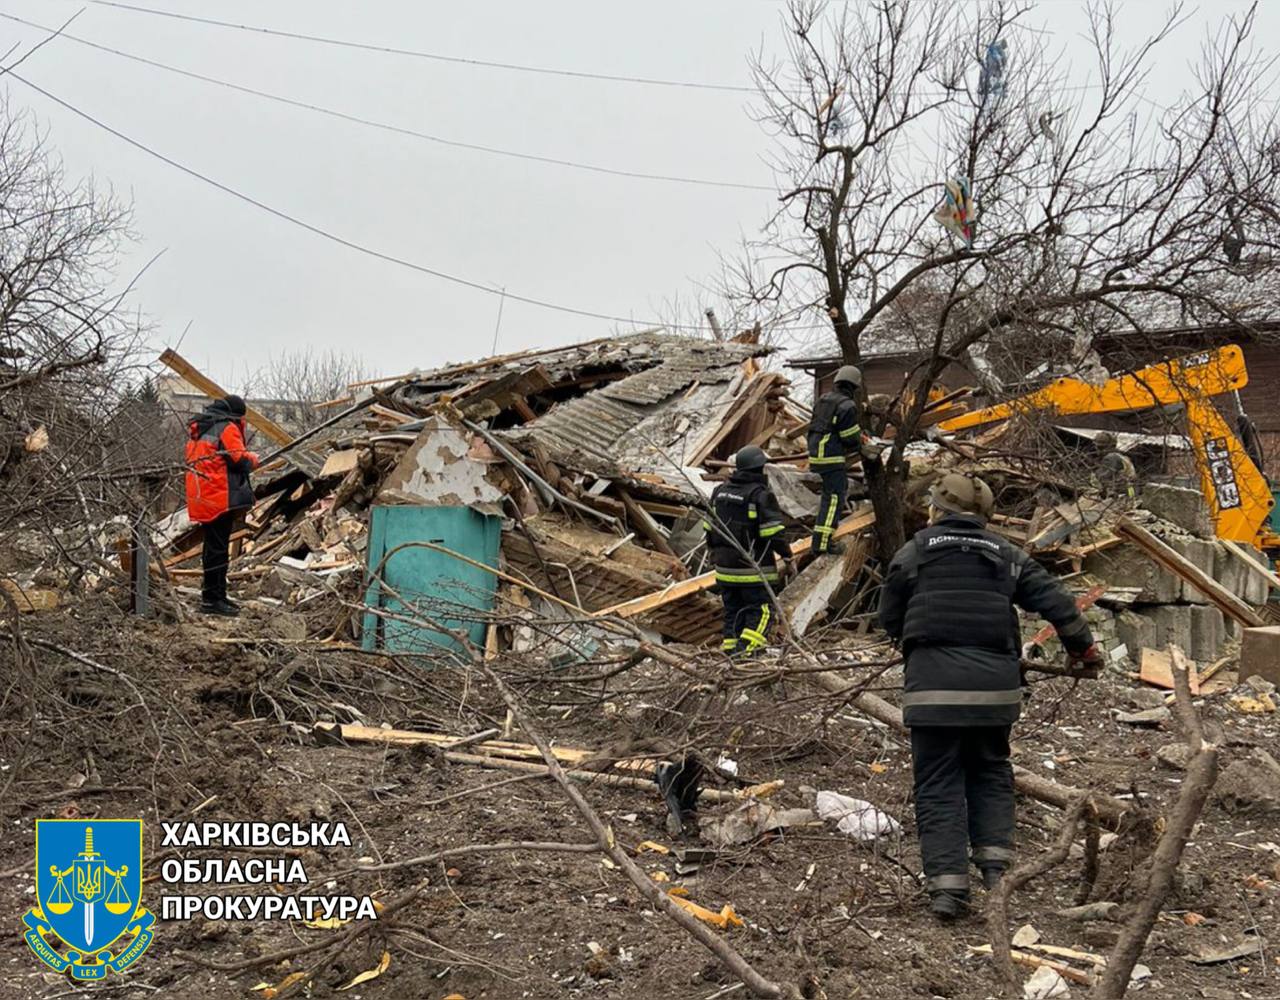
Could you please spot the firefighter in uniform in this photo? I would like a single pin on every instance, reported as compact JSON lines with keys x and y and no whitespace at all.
{"x":834,"y":433}
{"x":745,"y":536}
{"x":949,"y":600}
{"x":1116,"y":475}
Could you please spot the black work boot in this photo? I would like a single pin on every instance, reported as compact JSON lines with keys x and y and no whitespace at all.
{"x":991,"y":877}
{"x":219,"y":606}
{"x":946,"y":906}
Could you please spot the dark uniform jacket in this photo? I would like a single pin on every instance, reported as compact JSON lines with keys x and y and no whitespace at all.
{"x":949,"y":599}
{"x":747,"y":520}
{"x":1116,"y":474}
{"x":834,"y":430}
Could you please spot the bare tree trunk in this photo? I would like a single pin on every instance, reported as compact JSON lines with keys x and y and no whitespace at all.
{"x":887,"y":485}
{"x":1202,"y":772}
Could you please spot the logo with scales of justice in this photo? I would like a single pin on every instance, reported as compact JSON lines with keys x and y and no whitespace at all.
{"x":88,"y":891}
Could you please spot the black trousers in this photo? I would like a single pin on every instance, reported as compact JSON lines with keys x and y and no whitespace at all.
{"x":747,"y":612}
{"x":213,"y":556}
{"x":964,"y":798}
{"x":835,"y":489}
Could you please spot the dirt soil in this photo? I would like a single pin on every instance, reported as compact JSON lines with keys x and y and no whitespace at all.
{"x":223,"y":733}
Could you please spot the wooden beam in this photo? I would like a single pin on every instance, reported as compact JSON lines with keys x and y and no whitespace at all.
{"x":529,"y":767}
{"x":647,"y":526}
{"x":695,"y":584}
{"x":1227,"y":602}
{"x":177,"y":363}
{"x":1251,"y":564}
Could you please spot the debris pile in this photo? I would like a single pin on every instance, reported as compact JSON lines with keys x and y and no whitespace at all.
{"x":596,"y":462}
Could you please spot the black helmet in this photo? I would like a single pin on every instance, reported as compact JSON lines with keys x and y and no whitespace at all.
{"x":751,"y":458}
{"x":1106,"y":441}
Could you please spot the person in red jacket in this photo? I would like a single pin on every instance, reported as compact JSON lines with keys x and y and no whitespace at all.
{"x":218,"y":488}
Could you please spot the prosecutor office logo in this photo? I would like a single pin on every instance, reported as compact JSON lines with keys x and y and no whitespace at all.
{"x":89,"y":896}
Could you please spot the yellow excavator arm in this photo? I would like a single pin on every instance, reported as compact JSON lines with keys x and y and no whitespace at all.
{"x":1238,"y":495}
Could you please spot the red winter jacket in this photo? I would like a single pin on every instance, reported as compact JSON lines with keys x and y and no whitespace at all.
{"x":218,"y":465}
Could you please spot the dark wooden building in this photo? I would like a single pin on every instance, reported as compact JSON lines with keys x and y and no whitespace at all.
{"x":886,"y":372}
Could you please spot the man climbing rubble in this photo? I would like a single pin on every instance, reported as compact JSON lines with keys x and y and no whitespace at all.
{"x":218,"y":467}
{"x":745,"y":537}
{"x":949,"y":600}
{"x":1116,"y":475}
{"x":834,"y":434}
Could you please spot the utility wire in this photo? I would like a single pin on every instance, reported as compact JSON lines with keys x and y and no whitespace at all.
{"x":387,"y":127}
{"x":334,"y":237}
{"x":460,"y":60}
{"x":434,"y":56}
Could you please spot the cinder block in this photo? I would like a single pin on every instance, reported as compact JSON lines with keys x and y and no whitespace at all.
{"x":1208,"y":632}
{"x":1227,"y":570}
{"x":1124,"y":566}
{"x":1256,"y":588}
{"x":1137,"y":631}
{"x":1181,"y":506}
{"x":1173,"y":625}
{"x":1260,"y":653}
{"x":1199,"y":553}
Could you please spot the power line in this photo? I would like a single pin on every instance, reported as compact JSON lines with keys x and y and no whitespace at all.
{"x":434,"y":56}
{"x":334,"y":237}
{"x":387,"y":127}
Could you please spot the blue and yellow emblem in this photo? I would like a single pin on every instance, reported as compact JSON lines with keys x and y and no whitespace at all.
{"x":89,"y":896}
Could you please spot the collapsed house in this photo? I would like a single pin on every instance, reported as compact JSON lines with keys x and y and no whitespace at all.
{"x":590,"y":463}
{"x":572,"y":482}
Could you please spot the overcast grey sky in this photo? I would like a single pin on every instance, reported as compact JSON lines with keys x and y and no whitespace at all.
{"x":250,"y":284}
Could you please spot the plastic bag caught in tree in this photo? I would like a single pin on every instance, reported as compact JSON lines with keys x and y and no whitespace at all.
{"x":991,"y":76}
{"x":958,"y":210}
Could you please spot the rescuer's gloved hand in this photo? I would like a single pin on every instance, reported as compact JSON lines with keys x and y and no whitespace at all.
{"x":1091,"y":657}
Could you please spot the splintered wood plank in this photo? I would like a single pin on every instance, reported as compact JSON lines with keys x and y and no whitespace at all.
{"x":494,"y":748}
{"x":679,"y":591}
{"x":1156,"y":668}
{"x":177,"y":363}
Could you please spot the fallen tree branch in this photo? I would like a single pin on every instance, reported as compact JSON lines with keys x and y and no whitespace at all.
{"x":1201,"y":773}
{"x":724,"y":952}
{"x":998,"y":903}
{"x":562,"y":847}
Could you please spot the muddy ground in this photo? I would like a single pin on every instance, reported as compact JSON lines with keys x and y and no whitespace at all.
{"x":221,"y":730}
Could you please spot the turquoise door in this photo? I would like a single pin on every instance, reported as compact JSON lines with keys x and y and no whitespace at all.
{"x":425,"y":583}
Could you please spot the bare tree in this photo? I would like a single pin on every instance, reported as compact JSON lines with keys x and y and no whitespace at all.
{"x":68,"y":346}
{"x":1081,"y":216}
{"x":303,"y":378}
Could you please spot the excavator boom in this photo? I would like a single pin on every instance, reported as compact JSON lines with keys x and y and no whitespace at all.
{"x":1238,"y":495}
{"x":1208,"y":373}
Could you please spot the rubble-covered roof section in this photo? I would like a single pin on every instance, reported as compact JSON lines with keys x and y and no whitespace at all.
{"x":639,"y":423}
{"x":635,"y":352}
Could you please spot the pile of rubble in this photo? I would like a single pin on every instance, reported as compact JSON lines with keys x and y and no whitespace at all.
{"x":596,"y":461}
{"x":597,"y":458}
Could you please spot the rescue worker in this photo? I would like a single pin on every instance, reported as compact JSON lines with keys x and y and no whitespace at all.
{"x":1116,"y":474}
{"x":218,"y":467}
{"x":949,"y":600}
{"x":745,"y":537}
{"x":834,"y":433}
